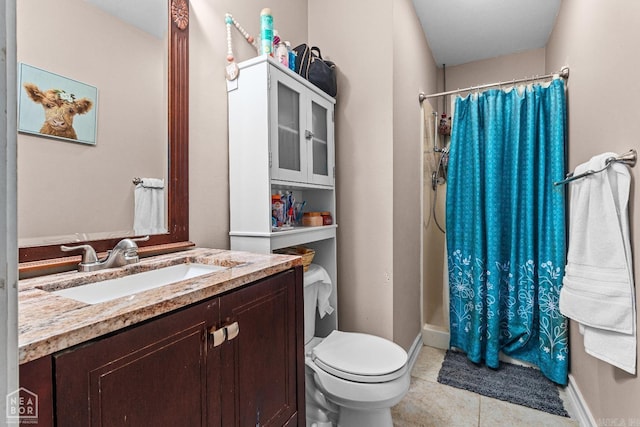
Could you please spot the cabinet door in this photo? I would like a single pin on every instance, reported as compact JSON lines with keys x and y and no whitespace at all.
{"x":262,"y":385}
{"x":320,"y":140}
{"x":154,"y":374}
{"x":36,"y":378}
{"x":288,"y":121}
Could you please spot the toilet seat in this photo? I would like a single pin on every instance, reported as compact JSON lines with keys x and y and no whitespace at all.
{"x":360,"y":357}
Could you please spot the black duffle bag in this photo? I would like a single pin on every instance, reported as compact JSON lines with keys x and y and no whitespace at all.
{"x":311,"y":66}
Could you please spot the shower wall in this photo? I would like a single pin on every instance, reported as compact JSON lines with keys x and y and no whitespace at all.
{"x":433,"y":238}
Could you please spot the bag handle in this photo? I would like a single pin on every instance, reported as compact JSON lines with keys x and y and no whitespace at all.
{"x":316,"y":49}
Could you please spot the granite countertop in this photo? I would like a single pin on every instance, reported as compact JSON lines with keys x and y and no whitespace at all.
{"x":48,"y":323}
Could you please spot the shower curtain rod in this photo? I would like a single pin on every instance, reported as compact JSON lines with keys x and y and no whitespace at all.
{"x":564,"y":73}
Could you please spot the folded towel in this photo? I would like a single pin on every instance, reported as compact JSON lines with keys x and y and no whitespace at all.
{"x":152,"y":182}
{"x":317,"y":274}
{"x":598,"y":289}
{"x":148,"y":217}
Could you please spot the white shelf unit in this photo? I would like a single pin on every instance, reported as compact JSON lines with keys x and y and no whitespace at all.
{"x":281,"y":138}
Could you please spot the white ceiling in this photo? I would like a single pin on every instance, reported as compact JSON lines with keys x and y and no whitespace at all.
{"x":461,"y":31}
{"x":148,"y":15}
{"x":458,"y":31}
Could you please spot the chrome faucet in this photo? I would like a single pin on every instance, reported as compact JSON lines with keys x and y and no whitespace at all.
{"x":125,"y":252}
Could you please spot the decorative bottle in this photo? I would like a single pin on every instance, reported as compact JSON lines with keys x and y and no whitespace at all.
{"x":266,"y":32}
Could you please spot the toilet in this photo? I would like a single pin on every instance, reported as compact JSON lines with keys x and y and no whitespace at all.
{"x":352,"y":379}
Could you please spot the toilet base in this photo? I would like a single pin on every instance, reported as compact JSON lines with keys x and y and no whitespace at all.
{"x":350,"y":417}
{"x":320,"y":412}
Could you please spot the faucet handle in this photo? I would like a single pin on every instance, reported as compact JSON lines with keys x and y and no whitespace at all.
{"x":140,"y":239}
{"x":88,"y":256}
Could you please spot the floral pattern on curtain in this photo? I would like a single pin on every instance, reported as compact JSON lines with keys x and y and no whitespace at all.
{"x":506,"y":227}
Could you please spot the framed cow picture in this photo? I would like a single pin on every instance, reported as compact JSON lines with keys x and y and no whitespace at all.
{"x":54,"y":106}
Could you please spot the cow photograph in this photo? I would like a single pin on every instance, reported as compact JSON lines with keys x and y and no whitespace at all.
{"x":55,"y":106}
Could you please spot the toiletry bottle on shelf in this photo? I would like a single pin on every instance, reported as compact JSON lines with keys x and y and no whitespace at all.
{"x":291,"y":56}
{"x":291,"y":201}
{"x":282,"y":54}
{"x":326,"y":218}
{"x":277,"y":211}
{"x":266,"y":32}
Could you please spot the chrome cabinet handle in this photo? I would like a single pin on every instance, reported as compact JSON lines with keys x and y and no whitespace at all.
{"x":219,"y":335}
{"x":308,"y":134}
{"x":232,"y":330}
{"x":226,"y":333}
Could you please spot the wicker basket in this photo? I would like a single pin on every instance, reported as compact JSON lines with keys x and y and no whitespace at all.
{"x":307,"y":254}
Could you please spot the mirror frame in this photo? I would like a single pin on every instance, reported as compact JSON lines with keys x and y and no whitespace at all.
{"x":178,"y":146}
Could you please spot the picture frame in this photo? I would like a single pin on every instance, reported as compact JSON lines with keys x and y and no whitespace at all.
{"x":54,"y":106}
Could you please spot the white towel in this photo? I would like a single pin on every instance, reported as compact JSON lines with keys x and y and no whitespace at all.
{"x":598,"y":289}
{"x":317,"y":274}
{"x":149,"y":207}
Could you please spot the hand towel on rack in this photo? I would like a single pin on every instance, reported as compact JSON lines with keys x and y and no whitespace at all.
{"x":148,"y":215}
{"x":598,"y":289}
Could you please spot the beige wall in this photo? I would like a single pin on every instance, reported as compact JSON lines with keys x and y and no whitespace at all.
{"x":499,"y":69}
{"x":377,"y":155}
{"x":414,"y":71}
{"x":599,"y":42}
{"x":208,"y":153}
{"x":123,"y":62}
{"x":364,"y":158}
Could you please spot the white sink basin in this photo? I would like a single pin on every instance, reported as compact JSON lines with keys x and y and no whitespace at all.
{"x":110,"y":289}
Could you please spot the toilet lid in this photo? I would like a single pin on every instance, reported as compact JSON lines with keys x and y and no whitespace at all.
{"x":360,"y":357}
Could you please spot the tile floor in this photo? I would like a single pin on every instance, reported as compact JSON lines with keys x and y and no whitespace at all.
{"x":431,"y":404}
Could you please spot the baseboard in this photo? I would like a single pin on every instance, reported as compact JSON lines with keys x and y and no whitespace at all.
{"x":414,"y":351}
{"x":435,"y":336}
{"x":578,"y":407}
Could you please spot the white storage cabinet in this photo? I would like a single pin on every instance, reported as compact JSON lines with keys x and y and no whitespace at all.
{"x":281,"y":138}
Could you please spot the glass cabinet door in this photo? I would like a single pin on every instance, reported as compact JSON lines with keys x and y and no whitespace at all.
{"x":288,"y":147}
{"x":321,"y":142}
{"x":301,"y":135}
{"x":288,"y":128}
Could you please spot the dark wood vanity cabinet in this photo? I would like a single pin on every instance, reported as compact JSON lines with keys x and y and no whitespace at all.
{"x":152,"y":374}
{"x":261,"y":380}
{"x":233,"y":360}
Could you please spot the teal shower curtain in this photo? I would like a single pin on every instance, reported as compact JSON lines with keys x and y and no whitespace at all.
{"x":506,"y":227}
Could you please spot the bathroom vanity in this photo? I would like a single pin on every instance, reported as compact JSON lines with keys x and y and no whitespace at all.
{"x":223,"y":348}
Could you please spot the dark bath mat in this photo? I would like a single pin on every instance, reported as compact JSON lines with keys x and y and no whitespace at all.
{"x":512,"y":383}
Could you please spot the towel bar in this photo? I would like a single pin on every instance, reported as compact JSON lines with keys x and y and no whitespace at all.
{"x":629,"y":158}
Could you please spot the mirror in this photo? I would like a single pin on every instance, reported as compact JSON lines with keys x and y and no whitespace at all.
{"x":172,"y":125}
